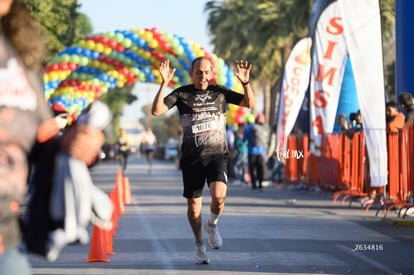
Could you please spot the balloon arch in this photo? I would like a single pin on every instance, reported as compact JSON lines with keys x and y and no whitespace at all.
{"x":83,"y":72}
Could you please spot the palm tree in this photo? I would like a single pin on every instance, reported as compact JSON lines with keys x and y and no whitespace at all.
{"x":262,"y":31}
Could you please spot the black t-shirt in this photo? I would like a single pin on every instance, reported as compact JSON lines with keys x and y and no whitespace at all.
{"x":203,"y":118}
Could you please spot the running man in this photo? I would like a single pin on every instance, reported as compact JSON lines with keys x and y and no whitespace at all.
{"x":202,"y":109}
{"x":124,"y":146}
{"x":150,"y":142}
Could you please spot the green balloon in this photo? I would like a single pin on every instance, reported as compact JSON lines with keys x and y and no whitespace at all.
{"x":65,"y":58}
{"x":74,"y":59}
{"x":127,"y":43}
{"x":118,"y":37}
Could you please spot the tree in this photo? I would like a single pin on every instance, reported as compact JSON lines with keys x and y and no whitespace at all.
{"x":388,"y":45}
{"x":64,"y":26}
{"x":61,"y":21}
{"x":265,"y":31}
{"x":261,"y":31}
{"x":116,"y":101}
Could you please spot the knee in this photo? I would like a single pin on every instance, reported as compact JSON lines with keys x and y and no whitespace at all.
{"x":194,"y":209}
{"x":192,"y":214}
{"x":219,"y":199}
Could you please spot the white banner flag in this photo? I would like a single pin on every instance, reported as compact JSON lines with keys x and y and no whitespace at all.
{"x":294,"y":85}
{"x":362,"y":24}
{"x":328,"y":64}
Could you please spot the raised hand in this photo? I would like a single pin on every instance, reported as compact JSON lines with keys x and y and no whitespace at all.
{"x":243,"y":71}
{"x":166,"y":73}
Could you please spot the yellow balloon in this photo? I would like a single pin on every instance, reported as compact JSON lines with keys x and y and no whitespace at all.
{"x":148,"y":36}
{"x":62,"y":75}
{"x":141,"y":32}
{"x":156,"y":73}
{"x":99,"y":47}
{"x":53,"y":76}
{"x":146,"y":55}
{"x":121,"y":78}
{"x":200,"y":52}
{"x":153,"y":43}
{"x":113,"y":73}
{"x":139,"y":51}
{"x":120,"y":84}
{"x":233,"y":108}
{"x":90,"y":44}
{"x":82,"y":43}
{"x":107,"y":50}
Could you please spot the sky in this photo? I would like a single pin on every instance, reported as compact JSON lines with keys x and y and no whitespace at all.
{"x":182,"y":17}
{"x":185,"y":18}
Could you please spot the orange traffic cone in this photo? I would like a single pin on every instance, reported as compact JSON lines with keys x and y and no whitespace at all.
{"x":115,"y":214}
{"x":119,"y":180}
{"x":108,"y":242}
{"x":126,"y":191}
{"x":97,"y":249}
{"x":119,"y":191}
{"x":119,"y":199}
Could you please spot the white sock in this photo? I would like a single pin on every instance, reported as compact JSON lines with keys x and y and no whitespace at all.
{"x":213,"y":218}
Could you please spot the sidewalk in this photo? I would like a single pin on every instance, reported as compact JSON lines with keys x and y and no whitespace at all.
{"x":275,"y":231}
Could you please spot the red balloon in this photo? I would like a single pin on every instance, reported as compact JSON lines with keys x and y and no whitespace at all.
{"x":155,"y":30}
{"x":120,"y":48}
{"x":96,"y":38}
{"x":112,"y":44}
{"x":63,"y":66}
{"x":104,"y":39}
{"x":53,"y":67}
{"x":72,"y":66}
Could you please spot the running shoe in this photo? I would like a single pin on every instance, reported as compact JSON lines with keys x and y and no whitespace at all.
{"x":214,"y":239}
{"x":200,"y":255}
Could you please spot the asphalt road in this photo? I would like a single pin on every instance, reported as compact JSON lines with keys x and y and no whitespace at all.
{"x":275,"y":231}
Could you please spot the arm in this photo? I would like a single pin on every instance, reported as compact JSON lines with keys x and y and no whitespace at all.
{"x":158,"y":106}
{"x":47,"y":130}
{"x":243,"y":74}
{"x":82,"y":142}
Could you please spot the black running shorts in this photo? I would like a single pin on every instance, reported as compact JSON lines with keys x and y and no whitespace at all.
{"x":196,"y":171}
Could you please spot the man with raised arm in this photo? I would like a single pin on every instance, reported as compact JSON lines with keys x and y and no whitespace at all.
{"x":202,"y":109}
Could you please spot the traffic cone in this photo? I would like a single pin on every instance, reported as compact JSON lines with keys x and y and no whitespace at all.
{"x":119,"y":181}
{"x":119,"y":199}
{"x":97,"y":249}
{"x":126,"y":191}
{"x":115,"y":214}
{"x":119,"y":191}
{"x":108,"y":242}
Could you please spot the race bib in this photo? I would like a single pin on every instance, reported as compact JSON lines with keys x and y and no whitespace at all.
{"x":204,"y":128}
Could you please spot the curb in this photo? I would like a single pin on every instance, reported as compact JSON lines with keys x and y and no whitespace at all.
{"x":398,"y":222}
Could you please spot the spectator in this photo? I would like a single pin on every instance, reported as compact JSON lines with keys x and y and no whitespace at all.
{"x":395,"y":119}
{"x":342,"y":122}
{"x":24,"y":114}
{"x":257,"y":135}
{"x":406,"y":101}
{"x":356,"y":121}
